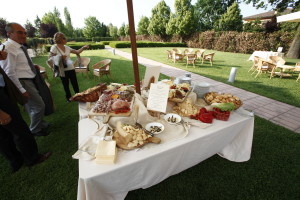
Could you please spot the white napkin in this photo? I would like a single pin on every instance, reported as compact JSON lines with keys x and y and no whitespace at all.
{"x":88,"y":147}
{"x":243,"y":112}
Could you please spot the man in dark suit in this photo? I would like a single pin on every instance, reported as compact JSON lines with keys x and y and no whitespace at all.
{"x":17,"y":144}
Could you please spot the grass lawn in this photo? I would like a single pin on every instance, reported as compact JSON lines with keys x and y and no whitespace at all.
{"x":285,"y":90}
{"x":273,"y":172}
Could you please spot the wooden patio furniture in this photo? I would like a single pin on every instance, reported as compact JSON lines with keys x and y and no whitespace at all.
{"x":191,"y":59}
{"x":84,"y":66}
{"x":177,"y":57}
{"x":209,"y":57}
{"x":102,"y":68}
{"x":200,"y":53}
{"x":169,"y":54}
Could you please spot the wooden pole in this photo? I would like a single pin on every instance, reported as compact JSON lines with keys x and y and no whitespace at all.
{"x":133,"y":46}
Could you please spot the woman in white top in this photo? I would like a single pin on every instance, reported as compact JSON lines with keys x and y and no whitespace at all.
{"x":66,"y":67}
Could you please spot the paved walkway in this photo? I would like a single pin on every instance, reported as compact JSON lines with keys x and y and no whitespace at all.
{"x":277,"y":112}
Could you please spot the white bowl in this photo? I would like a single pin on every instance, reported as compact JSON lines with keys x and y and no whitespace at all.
{"x":171,"y":116}
{"x":149,"y":127}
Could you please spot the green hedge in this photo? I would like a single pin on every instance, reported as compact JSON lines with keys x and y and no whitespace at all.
{"x":127,"y":44}
{"x":99,"y":39}
{"x":245,"y":42}
{"x":78,"y":45}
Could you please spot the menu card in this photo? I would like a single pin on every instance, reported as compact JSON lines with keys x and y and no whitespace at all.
{"x":151,"y":71}
{"x":158,"y":97}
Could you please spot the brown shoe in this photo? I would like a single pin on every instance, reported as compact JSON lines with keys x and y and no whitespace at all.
{"x":42,"y":158}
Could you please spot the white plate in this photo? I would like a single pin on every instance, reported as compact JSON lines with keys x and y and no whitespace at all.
{"x":170,"y":116}
{"x":149,"y":125}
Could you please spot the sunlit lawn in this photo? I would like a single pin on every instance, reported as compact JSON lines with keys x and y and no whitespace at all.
{"x":284,"y":90}
{"x":273,"y":172}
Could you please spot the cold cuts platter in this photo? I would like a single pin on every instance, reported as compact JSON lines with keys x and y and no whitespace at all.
{"x":115,"y":101}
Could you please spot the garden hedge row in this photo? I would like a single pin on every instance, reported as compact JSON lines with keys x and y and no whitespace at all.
{"x":245,"y":42}
{"x":127,"y":44}
{"x":78,"y":45}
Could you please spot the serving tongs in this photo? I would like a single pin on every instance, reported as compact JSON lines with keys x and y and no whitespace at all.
{"x":138,"y":125}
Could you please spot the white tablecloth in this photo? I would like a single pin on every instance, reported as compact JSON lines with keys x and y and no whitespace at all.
{"x":146,"y":167}
{"x":264,"y":54}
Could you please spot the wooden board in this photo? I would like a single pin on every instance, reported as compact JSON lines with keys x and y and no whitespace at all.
{"x":112,"y":114}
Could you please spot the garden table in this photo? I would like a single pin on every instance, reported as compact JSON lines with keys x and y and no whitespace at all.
{"x":283,"y":69}
{"x":152,"y":164}
{"x":264,"y":54}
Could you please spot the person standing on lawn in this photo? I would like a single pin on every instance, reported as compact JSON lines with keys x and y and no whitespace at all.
{"x":19,"y":68}
{"x":17,"y":144}
{"x":60,"y":53}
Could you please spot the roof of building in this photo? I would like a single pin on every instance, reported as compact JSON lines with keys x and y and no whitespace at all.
{"x":267,"y":15}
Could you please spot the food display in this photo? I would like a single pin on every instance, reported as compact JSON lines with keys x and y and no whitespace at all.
{"x":172,"y":118}
{"x":186,"y":108}
{"x":178,"y":92}
{"x":204,"y":116}
{"x":117,"y":99}
{"x":155,"y":127}
{"x":131,"y":137}
{"x":214,"y":97}
{"x":91,"y":94}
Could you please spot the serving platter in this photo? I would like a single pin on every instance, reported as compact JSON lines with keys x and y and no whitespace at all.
{"x":215,"y":97}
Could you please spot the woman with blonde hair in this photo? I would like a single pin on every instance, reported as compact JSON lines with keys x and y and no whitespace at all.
{"x":60,"y":53}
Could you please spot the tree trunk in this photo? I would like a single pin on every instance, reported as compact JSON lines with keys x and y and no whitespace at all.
{"x":294,"y":50}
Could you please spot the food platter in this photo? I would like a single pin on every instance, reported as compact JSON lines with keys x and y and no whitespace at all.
{"x":130,"y":137}
{"x":179,"y":92}
{"x":214,"y":97}
{"x":114,"y":102}
{"x":90,"y":95}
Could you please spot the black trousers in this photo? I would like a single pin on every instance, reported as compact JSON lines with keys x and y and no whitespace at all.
{"x":70,"y":75}
{"x":17,"y":143}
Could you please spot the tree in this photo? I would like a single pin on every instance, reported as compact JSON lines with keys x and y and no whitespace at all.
{"x":54,"y":18}
{"x":37,"y":23}
{"x":68,"y":21}
{"x":159,"y":19}
{"x":271,"y":26}
{"x":47,"y":30}
{"x":78,"y":32}
{"x":92,"y":27}
{"x":30,"y":29}
{"x":143,"y":25}
{"x":3,"y":23}
{"x":294,"y":51}
{"x":127,"y":30}
{"x":121,"y":31}
{"x":232,"y":20}
{"x":208,"y":12}
{"x":183,"y":22}
{"x":253,"y":26}
{"x":112,"y":30}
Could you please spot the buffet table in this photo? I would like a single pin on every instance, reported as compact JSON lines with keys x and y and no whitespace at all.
{"x":145,"y":167}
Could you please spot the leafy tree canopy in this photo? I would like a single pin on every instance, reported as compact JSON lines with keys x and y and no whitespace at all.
{"x":92,"y":27}
{"x":232,"y":19}
{"x":159,"y":19}
{"x":143,"y":25}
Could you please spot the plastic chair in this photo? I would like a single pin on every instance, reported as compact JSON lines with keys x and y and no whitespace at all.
{"x":102,"y":68}
{"x":84,"y":65}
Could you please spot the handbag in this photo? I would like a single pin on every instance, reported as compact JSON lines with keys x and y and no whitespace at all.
{"x":64,"y":61}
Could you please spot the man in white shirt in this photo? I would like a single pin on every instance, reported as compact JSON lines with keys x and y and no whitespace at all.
{"x":18,"y":69}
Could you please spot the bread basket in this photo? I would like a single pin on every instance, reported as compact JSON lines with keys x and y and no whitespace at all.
{"x":91,"y":94}
{"x":215,"y":97}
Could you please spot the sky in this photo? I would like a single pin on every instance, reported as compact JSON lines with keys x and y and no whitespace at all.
{"x":109,"y":11}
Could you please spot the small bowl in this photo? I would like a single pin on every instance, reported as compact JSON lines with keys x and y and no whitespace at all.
{"x":149,"y":127}
{"x":172,"y":118}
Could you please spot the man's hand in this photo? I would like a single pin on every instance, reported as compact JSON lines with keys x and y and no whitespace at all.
{"x":4,"y":118}
{"x":26,"y":95}
{"x":3,"y":55}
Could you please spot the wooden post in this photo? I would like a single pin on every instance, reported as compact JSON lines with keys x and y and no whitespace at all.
{"x":133,"y":46}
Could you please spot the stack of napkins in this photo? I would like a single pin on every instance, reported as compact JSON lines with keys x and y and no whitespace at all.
{"x":106,"y":152}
